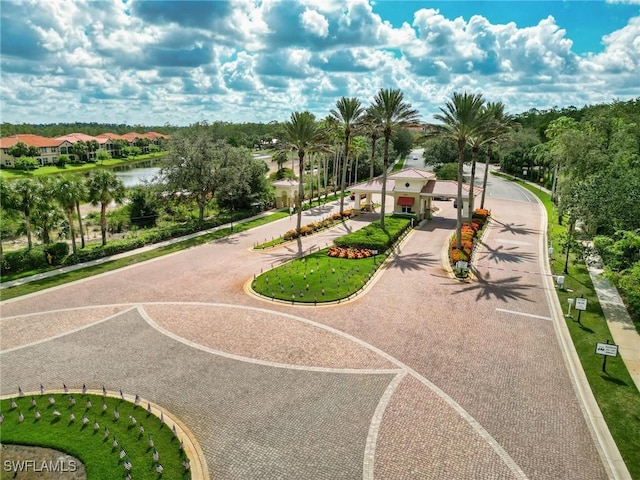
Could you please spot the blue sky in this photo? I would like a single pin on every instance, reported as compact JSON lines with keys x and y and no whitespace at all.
{"x":585,"y":21}
{"x":178,"y":62}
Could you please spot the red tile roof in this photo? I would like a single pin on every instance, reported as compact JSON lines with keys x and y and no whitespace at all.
{"x":29,"y":139}
{"x":76,"y":137}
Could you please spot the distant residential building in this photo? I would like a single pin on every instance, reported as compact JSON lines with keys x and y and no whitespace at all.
{"x":51,"y":148}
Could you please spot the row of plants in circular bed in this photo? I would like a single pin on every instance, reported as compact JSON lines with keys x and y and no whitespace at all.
{"x":112,"y":437}
{"x":333,"y":273}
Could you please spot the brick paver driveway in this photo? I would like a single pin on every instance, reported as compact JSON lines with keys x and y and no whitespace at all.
{"x":423,"y":377}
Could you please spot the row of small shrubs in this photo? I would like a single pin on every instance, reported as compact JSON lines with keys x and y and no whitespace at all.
{"x":57,"y":254}
{"x":316,"y":226}
{"x":469,"y":235}
{"x":373,"y":237}
{"x":354,"y":253}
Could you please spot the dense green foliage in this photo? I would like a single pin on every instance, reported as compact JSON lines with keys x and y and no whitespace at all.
{"x":375,"y":237}
{"x":615,"y":391}
{"x":621,"y":254}
{"x":446,"y":171}
{"x":403,"y":142}
{"x":89,"y":444}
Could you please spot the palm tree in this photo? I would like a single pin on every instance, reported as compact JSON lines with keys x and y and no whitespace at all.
{"x":302,"y":133}
{"x":104,"y":187}
{"x":69,"y":190}
{"x":358,"y":147}
{"x":500,"y":123}
{"x":26,"y":192}
{"x":462,"y":118}
{"x":390,"y":112}
{"x":371,"y":127}
{"x":348,"y":112}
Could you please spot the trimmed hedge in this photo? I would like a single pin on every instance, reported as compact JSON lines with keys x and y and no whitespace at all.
{"x":39,"y":257}
{"x":373,"y":237}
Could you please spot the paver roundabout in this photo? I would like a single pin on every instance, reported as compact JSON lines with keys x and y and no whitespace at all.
{"x":421,"y":377}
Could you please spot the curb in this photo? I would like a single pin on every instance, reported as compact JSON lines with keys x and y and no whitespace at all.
{"x":604,"y":442}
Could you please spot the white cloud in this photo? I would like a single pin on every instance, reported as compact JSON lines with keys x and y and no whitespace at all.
{"x":250,"y":60}
{"x":315,"y":23}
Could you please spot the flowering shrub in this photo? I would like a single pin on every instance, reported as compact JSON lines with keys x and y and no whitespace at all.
{"x":481,"y":214}
{"x":306,"y":230}
{"x":291,"y":235}
{"x":468,"y":235}
{"x":354,"y":253}
{"x":459,"y":255}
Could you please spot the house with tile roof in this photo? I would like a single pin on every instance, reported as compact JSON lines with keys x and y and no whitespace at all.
{"x":49,"y":149}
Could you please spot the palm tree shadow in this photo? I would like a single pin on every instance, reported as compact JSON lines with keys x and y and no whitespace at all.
{"x":500,"y":254}
{"x":505,"y":289}
{"x":317,"y":210}
{"x":413,"y":261}
{"x":514,"y":229}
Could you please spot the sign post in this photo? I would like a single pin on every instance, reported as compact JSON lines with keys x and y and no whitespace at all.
{"x":606,"y":350}
{"x":581,"y":305}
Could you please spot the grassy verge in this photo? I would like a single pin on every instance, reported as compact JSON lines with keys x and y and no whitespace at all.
{"x":399,"y":165}
{"x":110,"y":265}
{"x":317,"y":278}
{"x":90,"y":445}
{"x":614,"y":390}
{"x":12,"y":173}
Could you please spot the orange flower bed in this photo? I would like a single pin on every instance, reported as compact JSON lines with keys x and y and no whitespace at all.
{"x":353,"y":253}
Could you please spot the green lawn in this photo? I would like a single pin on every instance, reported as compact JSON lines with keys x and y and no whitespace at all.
{"x":615,"y":392}
{"x":317,"y":278}
{"x":399,"y":165}
{"x":90,"y":445}
{"x":12,"y":173}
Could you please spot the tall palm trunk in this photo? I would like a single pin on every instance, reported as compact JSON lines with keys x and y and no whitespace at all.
{"x":27,"y":224}
{"x":486,"y":174}
{"x":385,"y":167}
{"x":103,"y":222}
{"x":72,"y":229}
{"x":80,"y":229}
{"x":326,"y":171}
{"x":374,"y":139}
{"x":300,"y":189}
{"x":345,"y":162}
{"x":472,"y":182}
{"x":461,"y":145}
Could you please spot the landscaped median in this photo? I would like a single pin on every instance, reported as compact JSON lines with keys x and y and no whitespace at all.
{"x":111,"y":436}
{"x":307,"y":229}
{"x":335,"y":273}
{"x":470,"y":234}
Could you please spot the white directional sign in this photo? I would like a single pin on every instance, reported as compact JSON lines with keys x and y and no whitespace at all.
{"x":581,"y":304}
{"x":607,"y":349}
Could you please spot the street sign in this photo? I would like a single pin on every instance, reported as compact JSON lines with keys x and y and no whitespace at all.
{"x":581,"y":304}
{"x":607,"y":349}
